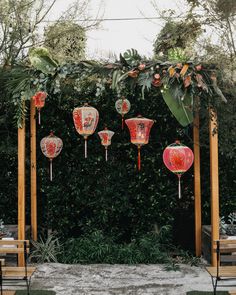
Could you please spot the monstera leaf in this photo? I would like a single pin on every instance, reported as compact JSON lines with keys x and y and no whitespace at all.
{"x":131,"y":57}
{"x":179,"y":103}
{"x":42,"y":61}
{"x":145,"y":81}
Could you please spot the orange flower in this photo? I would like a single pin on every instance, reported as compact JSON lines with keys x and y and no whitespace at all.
{"x":184,"y":70}
{"x":187,"y":81}
{"x":157,"y":77}
{"x":141,"y":67}
{"x":156,"y":82}
{"x":133,"y":73}
{"x":198,"y":67}
{"x":171,"y":71}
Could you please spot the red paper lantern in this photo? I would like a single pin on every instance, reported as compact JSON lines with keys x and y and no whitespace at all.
{"x":85,"y":120}
{"x":39,"y":101}
{"x":178,"y":158}
{"x":51,"y":147}
{"x":105,"y":136}
{"x":122,"y":106}
{"x":139,"y":129}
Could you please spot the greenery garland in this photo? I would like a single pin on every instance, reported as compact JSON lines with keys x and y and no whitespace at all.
{"x":180,"y":82}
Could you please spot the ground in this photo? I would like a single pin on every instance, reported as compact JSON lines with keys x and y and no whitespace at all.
{"x":120,"y":279}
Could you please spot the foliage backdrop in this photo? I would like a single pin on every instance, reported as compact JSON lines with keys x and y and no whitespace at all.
{"x":90,"y":195}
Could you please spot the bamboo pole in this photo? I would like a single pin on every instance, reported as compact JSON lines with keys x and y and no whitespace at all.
{"x":197,"y":186}
{"x":214,"y":175}
{"x":21,"y":188}
{"x":33,"y":173}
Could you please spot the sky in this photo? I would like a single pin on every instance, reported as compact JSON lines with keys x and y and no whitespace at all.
{"x":114,"y":37}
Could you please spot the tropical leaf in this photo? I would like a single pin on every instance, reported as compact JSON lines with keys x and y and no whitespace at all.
{"x":41,"y":60}
{"x":145,"y":81}
{"x":115,"y":79}
{"x":132,"y":57}
{"x":181,"y":107}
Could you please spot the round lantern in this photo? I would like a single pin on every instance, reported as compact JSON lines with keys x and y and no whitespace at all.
{"x":39,"y":101}
{"x":85,"y":120}
{"x":51,"y":147}
{"x":105,"y":136}
{"x":139,"y":129}
{"x":178,"y":158}
{"x":122,"y":106}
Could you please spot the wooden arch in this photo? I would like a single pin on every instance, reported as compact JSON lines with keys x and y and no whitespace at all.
{"x":214,"y":181}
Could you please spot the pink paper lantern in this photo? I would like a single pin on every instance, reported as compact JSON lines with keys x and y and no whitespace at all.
{"x":39,"y":101}
{"x":139,"y":129}
{"x":122,"y":106}
{"x":105,"y":136}
{"x":51,"y":147}
{"x":85,"y":120}
{"x":178,"y":158}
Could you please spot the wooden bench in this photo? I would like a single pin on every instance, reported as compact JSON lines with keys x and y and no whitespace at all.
{"x":222,"y":272}
{"x":9,"y":273}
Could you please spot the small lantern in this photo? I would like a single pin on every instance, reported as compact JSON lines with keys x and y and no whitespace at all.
{"x":105,"y":136}
{"x":139,"y":129}
{"x":178,"y":158}
{"x":85,"y":120}
{"x":51,"y":147}
{"x":39,"y":101}
{"x":122,"y":106}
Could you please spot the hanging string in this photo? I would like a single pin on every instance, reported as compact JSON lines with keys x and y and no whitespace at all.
{"x":85,"y":147}
{"x":39,"y":116}
{"x":139,"y":158}
{"x":179,"y":176}
{"x":51,"y":169}
{"x":122,"y":122}
{"x":106,"y":153}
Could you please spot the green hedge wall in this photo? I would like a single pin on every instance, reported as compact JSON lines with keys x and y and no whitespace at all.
{"x":87,"y":195}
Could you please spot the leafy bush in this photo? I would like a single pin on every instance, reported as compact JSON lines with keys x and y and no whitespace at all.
{"x":98,"y":248}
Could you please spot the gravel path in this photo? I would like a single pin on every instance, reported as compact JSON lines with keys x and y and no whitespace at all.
{"x":120,"y":279}
{"x":103,"y":279}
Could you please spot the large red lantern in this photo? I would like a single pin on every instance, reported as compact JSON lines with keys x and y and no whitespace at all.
{"x":105,"y":136}
{"x":122,"y":106}
{"x":51,"y":147}
{"x":39,"y":101}
{"x":139,"y":129}
{"x":85,"y":120}
{"x":178,"y":158}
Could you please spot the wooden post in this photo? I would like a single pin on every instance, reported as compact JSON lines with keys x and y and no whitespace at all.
{"x":214,"y":166}
{"x":33,"y":174}
{"x":21,"y":188}
{"x":197,"y":186}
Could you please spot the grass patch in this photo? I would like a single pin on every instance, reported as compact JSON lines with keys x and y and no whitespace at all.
{"x":207,"y":293}
{"x":35,"y":292}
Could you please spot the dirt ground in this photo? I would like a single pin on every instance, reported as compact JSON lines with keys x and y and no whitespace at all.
{"x":120,"y":279}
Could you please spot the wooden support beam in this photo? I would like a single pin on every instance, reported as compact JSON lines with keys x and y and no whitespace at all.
{"x":33,"y":172}
{"x":214,"y":175}
{"x":197,"y":186}
{"x":21,"y":188}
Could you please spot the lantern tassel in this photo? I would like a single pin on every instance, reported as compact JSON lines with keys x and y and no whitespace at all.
{"x":51,"y":169}
{"x":39,"y":116}
{"x":122,"y":122}
{"x":85,"y":147}
{"x":179,"y":176}
{"x":139,"y":158}
{"x":106,"y":153}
